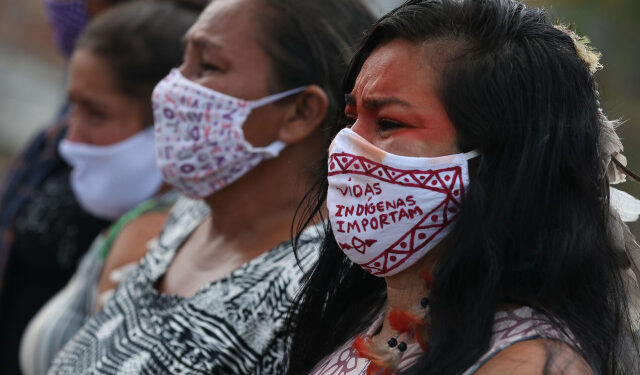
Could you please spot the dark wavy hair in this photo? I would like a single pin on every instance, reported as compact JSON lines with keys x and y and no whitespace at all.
{"x":533,"y":227}
{"x":311,"y":42}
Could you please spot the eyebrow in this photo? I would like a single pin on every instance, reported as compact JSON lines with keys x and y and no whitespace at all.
{"x":376,"y":103}
{"x":199,"y":40}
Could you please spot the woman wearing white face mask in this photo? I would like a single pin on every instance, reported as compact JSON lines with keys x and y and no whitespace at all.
{"x":238,"y":129}
{"x":110,"y":146}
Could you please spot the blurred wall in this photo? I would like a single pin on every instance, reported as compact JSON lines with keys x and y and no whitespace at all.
{"x":31,"y":73}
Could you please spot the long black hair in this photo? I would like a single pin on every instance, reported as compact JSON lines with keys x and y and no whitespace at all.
{"x":533,"y":227}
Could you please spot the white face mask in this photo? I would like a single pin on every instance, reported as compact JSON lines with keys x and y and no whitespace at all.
{"x":110,"y":180}
{"x":200,"y":143}
{"x":387,"y":211}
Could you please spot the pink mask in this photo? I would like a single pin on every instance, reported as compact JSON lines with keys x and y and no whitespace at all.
{"x":199,"y":139}
{"x":387,"y":211}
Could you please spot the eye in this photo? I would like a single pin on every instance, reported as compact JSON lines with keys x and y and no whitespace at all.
{"x":208,"y":67}
{"x":386,"y":125}
{"x":96,"y":115}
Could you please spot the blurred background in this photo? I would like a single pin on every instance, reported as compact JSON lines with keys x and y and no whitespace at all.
{"x":32,"y":73}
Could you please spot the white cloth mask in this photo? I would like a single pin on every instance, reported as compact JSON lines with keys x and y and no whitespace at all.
{"x":387,"y":211}
{"x":200,"y":143}
{"x":110,"y":180}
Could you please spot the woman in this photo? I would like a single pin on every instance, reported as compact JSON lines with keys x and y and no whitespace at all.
{"x":483,"y":100}
{"x":110,"y":145}
{"x":238,"y":128}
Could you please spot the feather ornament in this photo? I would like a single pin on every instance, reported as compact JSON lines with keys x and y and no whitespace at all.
{"x":587,"y":53}
{"x":627,"y":206}
{"x":382,"y":361}
{"x":611,"y":150}
{"x":410,"y":323}
{"x":624,"y":242}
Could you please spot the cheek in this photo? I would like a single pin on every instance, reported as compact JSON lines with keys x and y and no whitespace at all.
{"x":430,"y":142}
{"x":261,"y":127}
{"x":130,"y":119}
{"x":116,"y":130}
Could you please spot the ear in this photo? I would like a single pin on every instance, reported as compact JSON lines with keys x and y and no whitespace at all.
{"x":306,"y":115}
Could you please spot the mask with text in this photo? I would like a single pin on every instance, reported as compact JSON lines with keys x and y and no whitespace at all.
{"x":200,"y":143}
{"x":387,"y":211}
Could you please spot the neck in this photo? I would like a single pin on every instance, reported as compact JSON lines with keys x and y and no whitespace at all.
{"x":405,"y":290}
{"x":255,"y":213}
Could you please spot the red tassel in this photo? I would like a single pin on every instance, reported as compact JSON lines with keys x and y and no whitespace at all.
{"x":404,"y":321}
{"x":363,"y":346}
{"x":409,"y":324}
{"x":380,"y":363}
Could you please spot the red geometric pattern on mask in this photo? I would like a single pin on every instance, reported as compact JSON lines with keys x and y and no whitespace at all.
{"x":357,"y":244}
{"x":447,"y":181}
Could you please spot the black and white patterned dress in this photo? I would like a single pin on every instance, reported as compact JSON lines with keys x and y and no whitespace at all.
{"x":231,"y":326}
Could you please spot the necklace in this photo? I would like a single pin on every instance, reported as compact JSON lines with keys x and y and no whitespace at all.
{"x":384,"y":359}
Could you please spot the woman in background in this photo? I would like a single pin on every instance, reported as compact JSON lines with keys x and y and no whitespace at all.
{"x":471,"y":230}
{"x":111,"y":147}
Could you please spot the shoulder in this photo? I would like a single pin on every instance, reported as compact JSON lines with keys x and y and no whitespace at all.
{"x":131,"y":242}
{"x":540,"y":356}
{"x":130,"y":246}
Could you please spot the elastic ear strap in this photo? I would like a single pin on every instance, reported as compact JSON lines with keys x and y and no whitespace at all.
{"x":471,"y":154}
{"x":274,"y":148}
{"x":626,"y":170}
{"x":274,"y":98}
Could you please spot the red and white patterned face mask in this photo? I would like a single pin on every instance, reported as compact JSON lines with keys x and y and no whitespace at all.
{"x":387,"y":211}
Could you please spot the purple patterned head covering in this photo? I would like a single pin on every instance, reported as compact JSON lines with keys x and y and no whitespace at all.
{"x":69,"y":18}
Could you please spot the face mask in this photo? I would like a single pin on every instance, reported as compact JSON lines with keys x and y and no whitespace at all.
{"x":110,"y":180}
{"x":199,"y":138}
{"x":68,"y":18}
{"x":387,"y":211}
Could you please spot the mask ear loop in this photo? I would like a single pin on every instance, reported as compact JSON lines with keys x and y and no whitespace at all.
{"x":471,"y":154}
{"x":274,"y":98}
{"x":277,"y":146}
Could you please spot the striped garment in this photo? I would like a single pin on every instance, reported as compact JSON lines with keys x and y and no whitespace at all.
{"x":232,"y":326}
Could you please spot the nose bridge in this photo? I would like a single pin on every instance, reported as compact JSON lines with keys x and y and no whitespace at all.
{"x":74,"y":131}
{"x":364,"y":128}
{"x":185,"y":70}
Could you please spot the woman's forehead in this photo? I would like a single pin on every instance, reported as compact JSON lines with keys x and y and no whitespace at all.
{"x":398,"y":69}
{"x":227,"y":21}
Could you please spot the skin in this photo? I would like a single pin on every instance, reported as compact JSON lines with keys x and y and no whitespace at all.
{"x":395,"y":106}
{"x":100,"y":115}
{"x":255,"y":211}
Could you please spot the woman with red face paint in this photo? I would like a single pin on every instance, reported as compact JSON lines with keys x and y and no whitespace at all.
{"x":471,"y":230}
